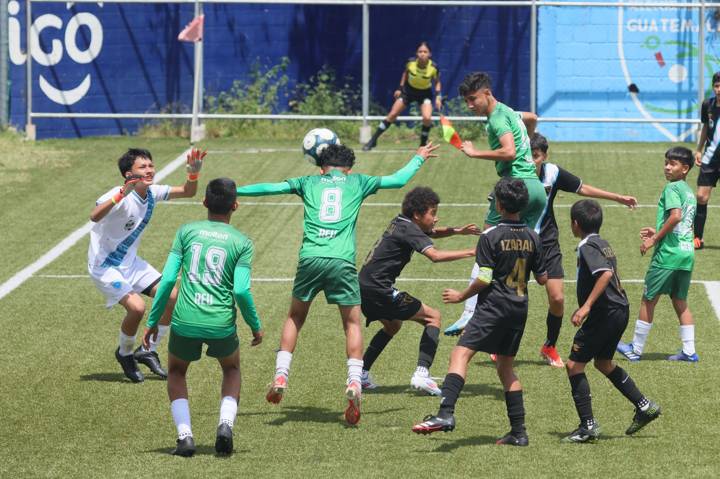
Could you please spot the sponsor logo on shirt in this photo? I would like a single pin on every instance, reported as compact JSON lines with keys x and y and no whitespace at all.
{"x":130,"y":224}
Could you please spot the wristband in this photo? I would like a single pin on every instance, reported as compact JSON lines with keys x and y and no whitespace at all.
{"x":193,"y":177}
{"x":117,"y":198}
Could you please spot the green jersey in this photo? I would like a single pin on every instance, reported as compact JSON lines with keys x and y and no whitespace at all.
{"x":502,"y":120}
{"x":210,"y":252}
{"x":676,"y":250}
{"x":332,"y":204}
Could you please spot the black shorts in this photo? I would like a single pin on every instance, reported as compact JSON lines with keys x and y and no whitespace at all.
{"x":553,"y":262}
{"x":410,"y":94}
{"x":599,"y":335}
{"x":490,"y":338}
{"x":400,"y":307}
{"x":709,"y":174}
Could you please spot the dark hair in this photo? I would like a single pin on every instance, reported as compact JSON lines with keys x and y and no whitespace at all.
{"x":424,"y":44}
{"x":126,"y":162}
{"x":588,"y":215}
{"x":474,"y":82}
{"x":512,"y":194}
{"x":715,"y":78}
{"x":419,"y":200}
{"x":337,"y":155}
{"x":220,"y":195}
{"x":539,"y":142}
{"x":681,"y":154}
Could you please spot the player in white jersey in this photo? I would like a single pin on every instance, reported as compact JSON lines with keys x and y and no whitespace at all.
{"x":121,"y":216}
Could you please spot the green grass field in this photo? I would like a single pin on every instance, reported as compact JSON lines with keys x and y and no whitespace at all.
{"x":67,"y":411}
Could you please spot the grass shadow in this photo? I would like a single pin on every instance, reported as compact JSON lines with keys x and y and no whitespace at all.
{"x":201,"y":450}
{"x":465,"y":442}
{"x":645,"y":357}
{"x":603,"y":437}
{"x":469,"y":389}
{"x":318,"y":415}
{"x":114,"y":378}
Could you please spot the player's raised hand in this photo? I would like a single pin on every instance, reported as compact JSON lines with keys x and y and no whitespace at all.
{"x":131,"y":182}
{"x":698,"y":158}
{"x":468,"y":148}
{"x":194,"y":163}
{"x":149,"y":334}
{"x":629,"y":201}
{"x":451,"y":296}
{"x":471,"y":229}
{"x":257,"y":337}
{"x":428,"y":151}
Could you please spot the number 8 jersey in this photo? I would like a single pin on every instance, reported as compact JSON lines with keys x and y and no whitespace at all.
{"x":332,"y":204}
{"x":506,"y":254}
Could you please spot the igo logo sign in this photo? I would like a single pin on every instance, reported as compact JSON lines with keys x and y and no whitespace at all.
{"x":50,"y":27}
{"x":659,"y":57}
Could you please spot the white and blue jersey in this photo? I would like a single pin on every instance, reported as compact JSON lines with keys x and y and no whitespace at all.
{"x":709,"y":116}
{"x":553,"y":179}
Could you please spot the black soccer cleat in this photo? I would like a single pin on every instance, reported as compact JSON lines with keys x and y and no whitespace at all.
{"x":433,"y":424}
{"x":224,"y":440}
{"x":129,"y":367}
{"x":514,"y":439}
{"x":185,"y":447}
{"x":369,"y":145}
{"x":584,"y":434}
{"x":151,"y":360}
{"x":643,"y":418}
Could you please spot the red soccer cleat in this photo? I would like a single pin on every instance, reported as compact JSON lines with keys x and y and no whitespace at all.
{"x":353,"y":394}
{"x":276,"y":389}
{"x":551,"y":356}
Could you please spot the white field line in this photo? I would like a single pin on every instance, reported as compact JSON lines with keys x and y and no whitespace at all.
{"x":384,"y":205}
{"x":713,"y":291}
{"x":21,"y":276}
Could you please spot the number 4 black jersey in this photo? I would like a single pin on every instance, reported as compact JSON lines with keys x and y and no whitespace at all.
{"x":506,"y":254}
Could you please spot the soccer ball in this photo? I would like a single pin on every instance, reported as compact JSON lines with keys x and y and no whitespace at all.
{"x":316,"y":141}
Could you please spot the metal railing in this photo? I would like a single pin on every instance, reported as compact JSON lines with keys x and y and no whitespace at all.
{"x":197,"y":130}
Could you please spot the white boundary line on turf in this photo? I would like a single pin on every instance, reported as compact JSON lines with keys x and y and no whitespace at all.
{"x":712,"y":288}
{"x":24,"y":274}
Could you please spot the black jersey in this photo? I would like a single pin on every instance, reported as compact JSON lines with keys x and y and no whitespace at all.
{"x":511,"y":250}
{"x":553,"y":179}
{"x":390,"y":254}
{"x":709,"y":115}
{"x":595,"y":256}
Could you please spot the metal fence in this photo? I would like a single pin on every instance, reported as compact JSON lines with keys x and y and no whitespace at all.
{"x":197,"y":131}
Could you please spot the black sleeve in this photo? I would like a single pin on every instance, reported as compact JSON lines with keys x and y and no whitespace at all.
{"x":538,"y":265}
{"x":417,"y":239}
{"x":566,"y":181}
{"x":484,"y":255}
{"x":594,"y":259}
{"x":705,"y":112}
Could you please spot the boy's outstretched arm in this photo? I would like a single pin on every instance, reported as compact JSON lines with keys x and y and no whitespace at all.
{"x":165,"y":287}
{"x":438,"y":256}
{"x":592,"y":192}
{"x":481,"y":282}
{"x":445,"y":231}
{"x":244,"y":299}
{"x":402,"y":176}
{"x":264,"y":189}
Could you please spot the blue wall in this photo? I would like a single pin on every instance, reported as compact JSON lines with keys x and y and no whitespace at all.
{"x":139,"y":66}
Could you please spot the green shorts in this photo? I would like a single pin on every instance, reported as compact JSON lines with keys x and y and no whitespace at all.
{"x":659,"y":281}
{"x":532,"y":213}
{"x":190,"y":349}
{"x":336,"y":277}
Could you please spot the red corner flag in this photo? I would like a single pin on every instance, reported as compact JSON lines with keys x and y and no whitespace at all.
{"x":449,"y":133}
{"x":193,"y":32}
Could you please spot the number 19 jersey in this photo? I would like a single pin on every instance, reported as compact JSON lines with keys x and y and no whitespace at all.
{"x":332,"y":205}
{"x":210,"y":251}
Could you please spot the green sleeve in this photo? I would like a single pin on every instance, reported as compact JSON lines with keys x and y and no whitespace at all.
{"x":499,"y":124}
{"x":672,"y":198}
{"x":244,"y":298}
{"x":167,"y":282}
{"x":262,"y":189}
{"x":401,"y":177}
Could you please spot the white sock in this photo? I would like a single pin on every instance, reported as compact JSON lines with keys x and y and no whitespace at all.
{"x":162,"y":332}
{"x":354,"y":369}
{"x":181,"y":415}
{"x":282,"y":363}
{"x":126,"y":343}
{"x":642,"y":329}
{"x":687,"y":336}
{"x":228,"y":410}
{"x":472,"y":301}
{"x":422,"y":371}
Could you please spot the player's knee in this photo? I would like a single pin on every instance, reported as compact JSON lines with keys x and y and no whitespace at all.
{"x":391,"y":328}
{"x":135,"y":306}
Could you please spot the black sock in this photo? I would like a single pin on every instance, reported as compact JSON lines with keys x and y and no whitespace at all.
{"x":424,"y":135}
{"x":700,"y":217}
{"x":384,"y":125}
{"x":452,"y":385}
{"x":553,"y":328}
{"x":376,"y":346}
{"x":583,"y":400}
{"x":428,"y":346}
{"x":624,"y":383}
{"x":515,"y":411}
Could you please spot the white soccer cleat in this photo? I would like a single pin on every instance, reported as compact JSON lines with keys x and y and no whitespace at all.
{"x":367,"y":381}
{"x":457,"y":328}
{"x":425,"y":383}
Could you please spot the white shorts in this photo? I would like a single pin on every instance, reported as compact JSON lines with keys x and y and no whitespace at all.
{"x":117,"y":282}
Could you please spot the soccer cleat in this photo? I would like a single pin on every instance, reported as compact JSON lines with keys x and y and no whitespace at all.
{"x":643,"y":418}
{"x":514,"y":439}
{"x":151,"y":360}
{"x":456,"y":328}
{"x":367,"y":381}
{"x":584,"y":434}
{"x":353,"y":393}
{"x":185,"y":447}
{"x":224,"y":439}
{"x":551,"y":356}
{"x":369,"y":145}
{"x":627,"y":350}
{"x":699,"y":243}
{"x":129,"y":367}
{"x":433,"y":424}
{"x":493,"y":357}
{"x":276,"y":390}
{"x":425,"y":383}
{"x":681,"y":356}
